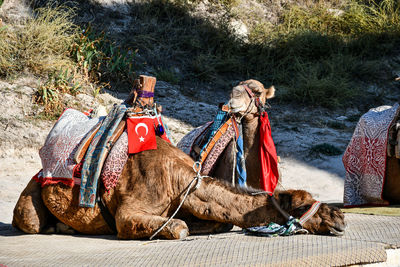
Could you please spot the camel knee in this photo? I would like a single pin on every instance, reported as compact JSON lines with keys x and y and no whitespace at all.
{"x":30,"y":213}
{"x":137,"y":226}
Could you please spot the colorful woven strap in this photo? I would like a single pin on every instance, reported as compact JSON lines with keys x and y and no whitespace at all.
{"x":213,"y":140}
{"x":306,"y":216}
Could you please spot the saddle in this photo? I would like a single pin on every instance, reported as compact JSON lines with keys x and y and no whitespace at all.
{"x":371,"y":153}
{"x":78,"y":146}
{"x":206,"y":143}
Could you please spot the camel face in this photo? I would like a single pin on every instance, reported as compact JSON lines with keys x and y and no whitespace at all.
{"x":240,"y":101}
{"x":327,"y":220}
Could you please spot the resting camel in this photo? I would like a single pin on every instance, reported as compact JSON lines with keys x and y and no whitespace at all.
{"x":243,"y":106}
{"x":151,"y":186}
{"x":391,"y":187}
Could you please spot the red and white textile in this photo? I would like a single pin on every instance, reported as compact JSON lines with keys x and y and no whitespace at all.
{"x":57,"y":154}
{"x":365,"y":158}
{"x":115,"y":162}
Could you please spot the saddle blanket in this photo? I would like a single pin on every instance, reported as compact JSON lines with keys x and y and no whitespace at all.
{"x":58,"y":152}
{"x":365,"y":158}
{"x":210,"y":158}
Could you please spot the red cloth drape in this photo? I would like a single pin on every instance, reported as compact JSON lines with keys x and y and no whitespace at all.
{"x":268,"y":159}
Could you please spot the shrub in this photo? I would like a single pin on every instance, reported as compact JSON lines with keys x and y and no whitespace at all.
{"x":40,"y":45}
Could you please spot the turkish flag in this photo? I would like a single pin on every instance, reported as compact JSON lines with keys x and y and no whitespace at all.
{"x":268,"y":158}
{"x":141,"y":134}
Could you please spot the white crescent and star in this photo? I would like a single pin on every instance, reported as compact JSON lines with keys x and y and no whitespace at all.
{"x":141,"y":138}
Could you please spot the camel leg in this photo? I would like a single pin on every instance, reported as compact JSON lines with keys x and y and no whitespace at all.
{"x":136,"y":225}
{"x":30,"y":213}
{"x":391,"y":187}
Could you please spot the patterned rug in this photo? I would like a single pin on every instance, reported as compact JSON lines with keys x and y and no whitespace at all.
{"x":365,"y":158}
{"x":57,"y":153}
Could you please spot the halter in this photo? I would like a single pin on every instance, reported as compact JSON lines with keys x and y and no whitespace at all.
{"x":259,"y":106}
{"x":304,"y":218}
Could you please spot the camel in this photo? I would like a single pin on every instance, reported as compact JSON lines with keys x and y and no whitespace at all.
{"x":243,"y":106}
{"x":391,"y":187}
{"x":151,"y":186}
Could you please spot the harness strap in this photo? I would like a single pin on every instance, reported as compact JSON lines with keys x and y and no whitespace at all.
{"x":206,"y":150}
{"x":259,"y":105}
{"x":107,"y":216}
{"x":306,"y":216}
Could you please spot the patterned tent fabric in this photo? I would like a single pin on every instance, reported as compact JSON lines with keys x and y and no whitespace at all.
{"x":365,"y":158}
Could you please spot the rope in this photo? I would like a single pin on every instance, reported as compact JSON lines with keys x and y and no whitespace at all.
{"x":198,"y":178}
{"x":234,"y":163}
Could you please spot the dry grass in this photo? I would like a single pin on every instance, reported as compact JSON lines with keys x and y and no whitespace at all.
{"x":40,"y":45}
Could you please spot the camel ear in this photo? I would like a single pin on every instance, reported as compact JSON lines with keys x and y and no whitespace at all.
{"x":270,"y":92}
{"x":285,"y":201}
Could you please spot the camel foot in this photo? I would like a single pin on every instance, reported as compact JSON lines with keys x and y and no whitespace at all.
{"x":176,"y":229}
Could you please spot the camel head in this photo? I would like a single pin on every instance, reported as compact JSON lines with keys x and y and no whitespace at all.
{"x":327,"y":220}
{"x":243,"y":99}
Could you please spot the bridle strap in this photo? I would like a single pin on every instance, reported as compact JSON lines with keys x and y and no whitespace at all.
{"x":306,"y":216}
{"x":248,"y":90}
{"x":259,"y":106}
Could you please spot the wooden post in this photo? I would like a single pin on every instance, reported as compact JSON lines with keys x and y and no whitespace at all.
{"x":143,"y":91}
{"x":144,"y":87}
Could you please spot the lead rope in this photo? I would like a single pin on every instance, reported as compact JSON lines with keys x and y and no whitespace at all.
{"x":198,"y":178}
{"x":234,"y":163}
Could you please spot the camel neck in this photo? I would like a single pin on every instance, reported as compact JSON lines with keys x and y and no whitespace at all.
{"x":251,"y":143}
{"x":250,"y":134}
{"x":227,"y":204}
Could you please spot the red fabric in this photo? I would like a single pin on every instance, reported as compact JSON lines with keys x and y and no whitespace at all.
{"x":51,"y":180}
{"x":141,"y":134}
{"x":268,"y":158}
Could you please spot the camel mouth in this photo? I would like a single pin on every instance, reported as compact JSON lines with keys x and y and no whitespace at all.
{"x":336,"y":231}
{"x":235,"y":109}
